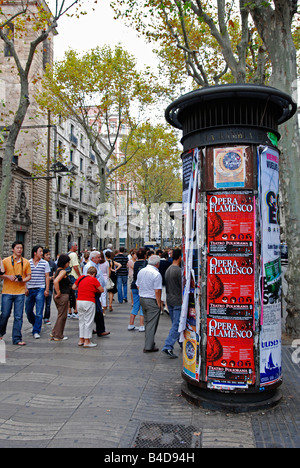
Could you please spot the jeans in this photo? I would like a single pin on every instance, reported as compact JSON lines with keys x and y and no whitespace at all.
{"x":122,"y":287}
{"x":173,"y":336}
{"x":35,"y":298}
{"x":9,"y":300}
{"x":136,"y":303}
{"x":48,"y":305}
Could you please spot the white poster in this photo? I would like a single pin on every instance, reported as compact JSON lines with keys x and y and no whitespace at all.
{"x":270,"y":340}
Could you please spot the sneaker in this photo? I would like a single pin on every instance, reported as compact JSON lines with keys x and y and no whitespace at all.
{"x":36,"y":336}
{"x":61,"y":339}
{"x":132,"y":327}
{"x":169,"y":352}
{"x":47,"y":322}
{"x":69,"y":315}
{"x":142,"y":328}
{"x":75,"y":316}
{"x":90,"y":345}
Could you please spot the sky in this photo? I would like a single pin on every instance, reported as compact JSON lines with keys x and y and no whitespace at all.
{"x":98,"y":28}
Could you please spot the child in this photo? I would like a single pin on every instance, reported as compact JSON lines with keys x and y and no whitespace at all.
{"x":87,"y":287}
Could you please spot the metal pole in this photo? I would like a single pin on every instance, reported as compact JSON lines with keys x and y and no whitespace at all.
{"x":48,"y":183}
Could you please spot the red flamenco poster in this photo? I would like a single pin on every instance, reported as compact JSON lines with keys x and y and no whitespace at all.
{"x":230,"y":357}
{"x":230,"y":287}
{"x":230,"y":325}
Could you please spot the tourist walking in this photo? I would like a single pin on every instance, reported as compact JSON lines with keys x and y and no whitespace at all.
{"x":88,"y":286}
{"x":122,"y":275}
{"x":140,"y":263}
{"x":94,"y":261}
{"x":173,"y":279}
{"x":62,"y":286}
{"x":149,"y":282}
{"x":113,"y":268}
{"x":53,"y":268}
{"x":15,"y":272}
{"x":37,"y":289}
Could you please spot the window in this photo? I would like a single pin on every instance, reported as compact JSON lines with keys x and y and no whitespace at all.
{"x":81,"y":164}
{"x":81,"y":194}
{"x":71,"y":155}
{"x":71,"y":217}
{"x":59,"y":184}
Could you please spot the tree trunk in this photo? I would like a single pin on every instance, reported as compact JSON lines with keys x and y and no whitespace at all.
{"x":274,"y":27}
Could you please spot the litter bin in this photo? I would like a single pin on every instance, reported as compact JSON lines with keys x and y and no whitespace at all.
{"x":231,"y":314}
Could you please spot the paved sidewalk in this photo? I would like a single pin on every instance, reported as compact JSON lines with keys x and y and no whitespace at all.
{"x":56,"y":394}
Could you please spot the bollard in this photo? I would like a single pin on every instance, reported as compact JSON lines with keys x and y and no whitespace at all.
{"x":230,"y":323}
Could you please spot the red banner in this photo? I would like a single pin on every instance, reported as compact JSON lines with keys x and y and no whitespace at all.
{"x":230,"y":288}
{"x":230,"y":356}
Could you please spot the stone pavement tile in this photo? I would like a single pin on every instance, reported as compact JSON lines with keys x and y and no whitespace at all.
{"x":87,"y":433}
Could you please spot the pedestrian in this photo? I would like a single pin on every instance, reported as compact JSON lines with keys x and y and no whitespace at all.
{"x":108,"y":249}
{"x":88,"y":286}
{"x":122,"y":275}
{"x":99,"y":319}
{"x":140,"y":263}
{"x":37,"y":289}
{"x":15,"y":272}
{"x":163,"y":266}
{"x":113,"y":268}
{"x":104,"y":267}
{"x":131,"y":261}
{"x":53,"y":268}
{"x":173,"y":280}
{"x":73,"y":275}
{"x":62,"y":286}
{"x":84,"y":259}
{"x":149,"y":282}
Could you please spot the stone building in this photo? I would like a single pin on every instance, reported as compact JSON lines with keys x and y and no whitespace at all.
{"x":27,"y":201}
{"x":45,"y":207}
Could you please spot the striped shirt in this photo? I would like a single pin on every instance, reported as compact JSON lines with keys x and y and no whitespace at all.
{"x":123,"y":259}
{"x":38,"y":279}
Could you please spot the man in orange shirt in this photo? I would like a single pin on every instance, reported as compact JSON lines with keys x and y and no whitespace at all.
{"x":17,"y":272}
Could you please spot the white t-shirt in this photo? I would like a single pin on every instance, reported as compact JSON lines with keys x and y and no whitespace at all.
{"x":148,"y":279}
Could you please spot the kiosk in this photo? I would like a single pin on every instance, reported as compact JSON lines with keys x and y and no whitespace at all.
{"x":231,"y":314}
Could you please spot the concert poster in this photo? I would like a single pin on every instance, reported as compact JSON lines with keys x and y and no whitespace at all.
{"x":231,"y":223}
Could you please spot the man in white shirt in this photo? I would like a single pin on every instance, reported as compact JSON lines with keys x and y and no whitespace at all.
{"x":149,"y":283}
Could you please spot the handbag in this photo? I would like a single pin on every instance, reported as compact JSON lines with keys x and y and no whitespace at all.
{"x":109,"y":284}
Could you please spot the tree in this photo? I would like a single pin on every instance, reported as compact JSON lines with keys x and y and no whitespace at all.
{"x":30,"y":22}
{"x":100,"y":89}
{"x":155,"y":169}
{"x":257,"y":42}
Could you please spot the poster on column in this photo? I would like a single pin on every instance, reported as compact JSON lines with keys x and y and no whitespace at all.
{"x":230,"y":355}
{"x":190,"y":312}
{"x":230,"y":223}
{"x":230,"y":341}
{"x":270,"y":339}
{"x":230,"y":287}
